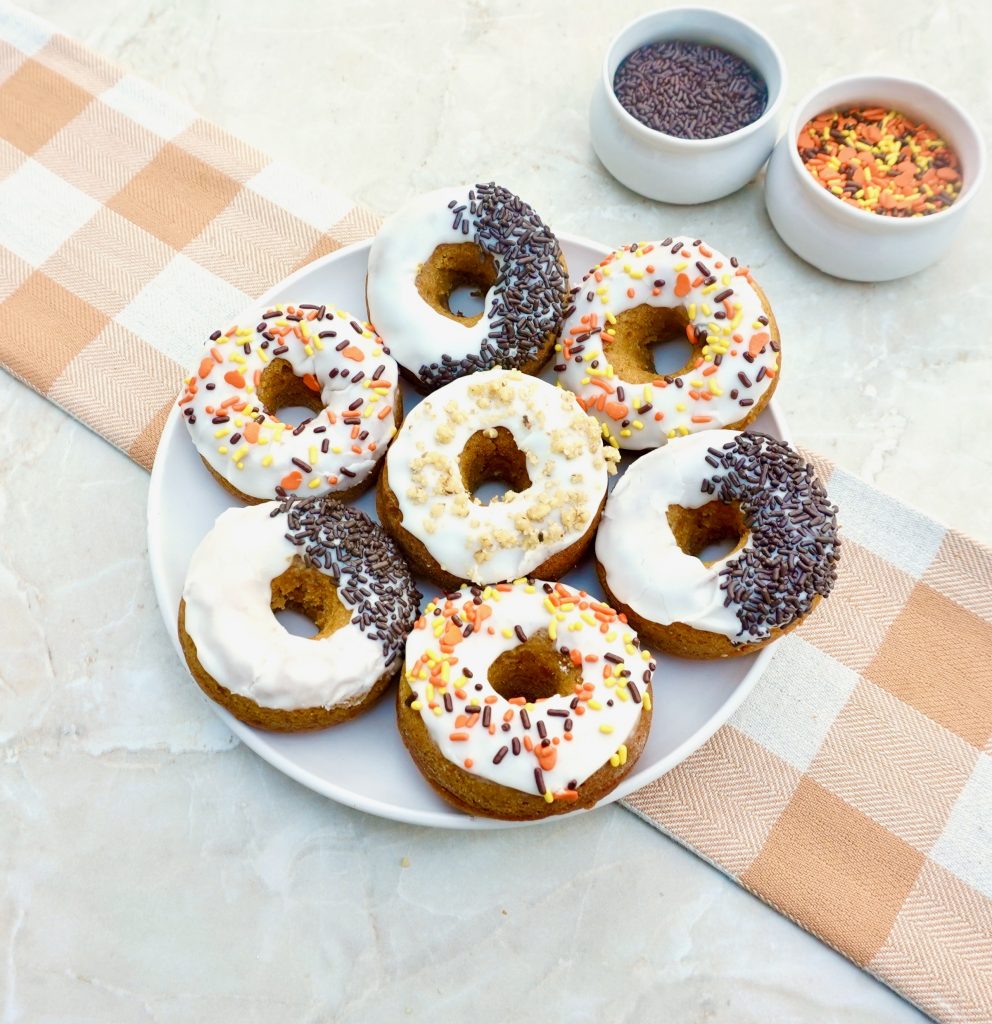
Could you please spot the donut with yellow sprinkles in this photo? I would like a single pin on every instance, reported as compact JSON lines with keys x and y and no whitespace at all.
{"x":525,"y":699}
{"x":652,"y":292}
{"x":314,"y":356}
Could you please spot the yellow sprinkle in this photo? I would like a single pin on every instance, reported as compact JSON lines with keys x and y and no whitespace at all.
{"x":267,"y":460}
{"x":595,"y":705}
{"x":507,"y":633}
{"x":646,"y":700}
{"x":223,"y":432}
{"x":645,"y":655}
{"x":222,"y":449}
{"x":623,"y":753}
{"x":439,"y":711}
{"x":606,"y":728}
{"x":417,"y":705}
{"x":615,"y":760}
{"x":240,"y":453}
{"x":680,"y":266}
{"x":549,"y":797}
{"x":552,"y":630}
{"x":313,"y":455}
{"x":622,"y":693}
{"x":691,"y":311}
{"x":611,"y":636}
{"x":680,"y":407}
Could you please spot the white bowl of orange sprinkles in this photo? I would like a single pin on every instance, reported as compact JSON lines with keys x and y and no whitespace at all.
{"x":873,"y":177}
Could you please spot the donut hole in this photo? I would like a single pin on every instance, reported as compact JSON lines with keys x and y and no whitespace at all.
{"x":285,"y":396}
{"x":491,"y":465}
{"x":711,"y":532}
{"x":650,"y":341}
{"x":305,"y":593}
{"x":534,"y":670}
{"x":455,"y":279}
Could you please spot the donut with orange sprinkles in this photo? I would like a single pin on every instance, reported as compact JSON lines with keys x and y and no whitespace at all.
{"x":525,"y":699}
{"x":311,"y":356}
{"x":652,"y":292}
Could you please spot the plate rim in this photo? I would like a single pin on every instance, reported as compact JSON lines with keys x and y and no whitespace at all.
{"x":254,"y":739}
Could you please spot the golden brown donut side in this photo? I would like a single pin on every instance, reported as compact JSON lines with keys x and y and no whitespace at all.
{"x":475,"y":795}
{"x":275,"y":719}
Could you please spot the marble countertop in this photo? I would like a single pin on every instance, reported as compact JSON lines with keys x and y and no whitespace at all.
{"x":154,"y":870}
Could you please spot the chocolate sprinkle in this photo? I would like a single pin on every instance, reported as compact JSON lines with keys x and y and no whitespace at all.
{"x":529,"y":299}
{"x":689,"y":90}
{"x":794,"y":548}
{"x":372,"y":576}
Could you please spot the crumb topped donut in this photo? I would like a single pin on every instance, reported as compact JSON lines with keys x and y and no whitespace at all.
{"x":496,"y":425}
{"x":718,"y":486}
{"x":482,"y":236}
{"x":284,"y":355}
{"x":524,"y":699}
{"x":654,"y":292}
{"x":315,"y":556}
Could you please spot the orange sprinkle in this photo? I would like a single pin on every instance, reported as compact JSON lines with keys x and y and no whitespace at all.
{"x":291,"y":481}
{"x":250,"y":432}
{"x":311,"y":382}
{"x":458,"y":737}
{"x":757,"y":343}
{"x":682,"y":286}
{"x":353,"y":352}
{"x":234,"y":378}
{"x":383,"y":413}
{"x":468,"y":762}
{"x":701,"y":419}
{"x":206,"y":365}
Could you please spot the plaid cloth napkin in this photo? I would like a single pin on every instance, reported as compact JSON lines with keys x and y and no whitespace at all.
{"x":852,"y":791}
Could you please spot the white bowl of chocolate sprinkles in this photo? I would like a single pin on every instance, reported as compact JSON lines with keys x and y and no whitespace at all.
{"x":687,"y":104}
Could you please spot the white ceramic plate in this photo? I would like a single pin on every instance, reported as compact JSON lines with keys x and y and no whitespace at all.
{"x":363,"y":763}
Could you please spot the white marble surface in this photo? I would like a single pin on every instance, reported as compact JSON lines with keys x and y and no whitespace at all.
{"x":152,"y":870}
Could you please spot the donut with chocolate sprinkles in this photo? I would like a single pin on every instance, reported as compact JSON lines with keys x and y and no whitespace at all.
{"x":482,"y":239}
{"x":656,"y":550}
{"x":318,"y":557}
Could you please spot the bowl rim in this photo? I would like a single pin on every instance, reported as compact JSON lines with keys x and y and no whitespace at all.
{"x":771,"y":110}
{"x":865,"y":216}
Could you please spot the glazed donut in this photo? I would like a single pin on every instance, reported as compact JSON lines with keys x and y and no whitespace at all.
{"x":314,"y":356}
{"x":653,"y":292}
{"x":498,"y":424}
{"x":316,"y":556}
{"x":483,"y":236}
{"x":524,"y":700}
{"x":697,"y":490}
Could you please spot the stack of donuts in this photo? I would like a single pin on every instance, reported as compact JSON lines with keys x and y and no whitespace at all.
{"x":518,"y":694}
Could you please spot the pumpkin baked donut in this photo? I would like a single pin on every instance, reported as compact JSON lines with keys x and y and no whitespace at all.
{"x":284,"y":355}
{"x":316,"y":556}
{"x":499,"y":425}
{"x":654,"y":292}
{"x":698,"y":490}
{"x":487,"y":238}
{"x":524,"y":699}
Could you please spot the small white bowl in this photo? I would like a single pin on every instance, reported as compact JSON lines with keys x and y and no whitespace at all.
{"x":854,"y":244}
{"x":675,"y":170}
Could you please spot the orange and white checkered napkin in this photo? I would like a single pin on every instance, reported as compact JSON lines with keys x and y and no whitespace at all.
{"x":852,"y":791}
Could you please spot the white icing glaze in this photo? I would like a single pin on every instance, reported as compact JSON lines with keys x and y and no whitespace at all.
{"x":257,"y":467}
{"x":711,"y":395}
{"x":241,"y":643}
{"x":644,"y":565}
{"x":566,"y":462}
{"x":611,"y":710}
{"x":416,"y":333}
